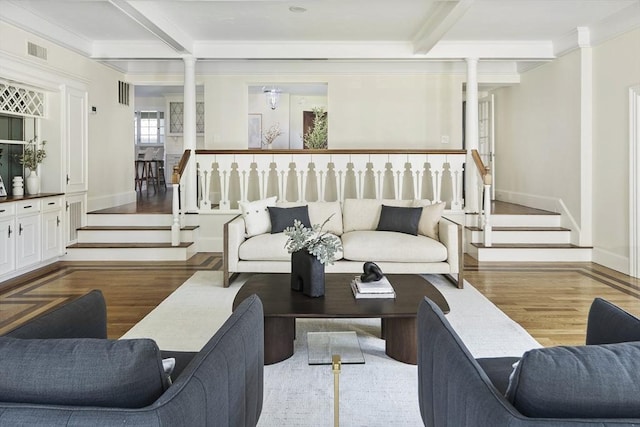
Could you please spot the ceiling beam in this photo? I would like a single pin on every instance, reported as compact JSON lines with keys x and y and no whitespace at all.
{"x":441,"y":17}
{"x":149,"y":17}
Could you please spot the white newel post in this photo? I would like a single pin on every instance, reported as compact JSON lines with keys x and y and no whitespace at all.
{"x":471,"y":134}
{"x":189,"y":133}
{"x":487,"y":216}
{"x":175,"y":226}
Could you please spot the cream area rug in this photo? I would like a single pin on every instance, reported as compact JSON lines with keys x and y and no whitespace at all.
{"x":381,"y":392}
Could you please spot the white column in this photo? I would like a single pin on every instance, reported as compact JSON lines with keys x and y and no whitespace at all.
{"x":189,"y":132}
{"x":471,"y":136}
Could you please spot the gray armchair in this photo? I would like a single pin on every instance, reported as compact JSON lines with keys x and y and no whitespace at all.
{"x":457,"y":390}
{"x":222,"y":385}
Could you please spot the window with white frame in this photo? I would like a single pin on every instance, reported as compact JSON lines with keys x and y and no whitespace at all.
{"x":149,"y":127}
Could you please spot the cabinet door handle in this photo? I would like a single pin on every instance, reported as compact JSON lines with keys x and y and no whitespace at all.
{"x":9,"y":235}
{"x":27,"y":207}
{"x":2,"y":210}
{"x":20,"y":229}
{"x":58,"y":221}
{"x":51,"y":203}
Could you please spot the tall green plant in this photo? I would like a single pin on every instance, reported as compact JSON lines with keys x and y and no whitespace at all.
{"x":317,"y":137}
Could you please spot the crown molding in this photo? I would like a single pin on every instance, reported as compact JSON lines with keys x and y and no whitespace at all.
{"x":492,"y":49}
{"x":628,"y":19}
{"x":24,"y":20}
{"x":37,"y":73}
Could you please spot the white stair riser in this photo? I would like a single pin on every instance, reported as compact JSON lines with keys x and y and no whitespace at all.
{"x":142,"y":220}
{"x":542,"y":236}
{"x":525,"y":220}
{"x":132,"y":236}
{"x":531,"y":254}
{"x":129,"y":254}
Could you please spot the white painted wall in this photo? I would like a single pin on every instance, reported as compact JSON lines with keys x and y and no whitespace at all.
{"x":365,"y":111}
{"x":538,"y":136}
{"x":616,"y":69}
{"x":110,"y":131}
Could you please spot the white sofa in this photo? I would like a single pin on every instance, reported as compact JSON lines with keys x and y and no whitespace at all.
{"x":354,"y":222}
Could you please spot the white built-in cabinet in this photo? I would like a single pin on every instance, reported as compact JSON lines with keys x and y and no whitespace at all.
{"x":31,"y":234}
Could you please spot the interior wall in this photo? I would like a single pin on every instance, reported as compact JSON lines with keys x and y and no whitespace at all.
{"x":365,"y":111}
{"x":537,"y":126}
{"x":110,"y":152}
{"x":616,"y":69}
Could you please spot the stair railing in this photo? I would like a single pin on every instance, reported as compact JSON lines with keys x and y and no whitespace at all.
{"x":485,"y":208}
{"x":178,"y":198}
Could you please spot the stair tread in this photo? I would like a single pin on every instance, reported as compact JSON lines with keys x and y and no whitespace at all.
{"x":127,"y":245}
{"x":531,"y":246}
{"x":133,"y":227}
{"x":522,"y":229}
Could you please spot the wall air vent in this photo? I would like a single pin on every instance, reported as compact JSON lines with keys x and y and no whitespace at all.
{"x":123,"y":93}
{"x":37,"y":51}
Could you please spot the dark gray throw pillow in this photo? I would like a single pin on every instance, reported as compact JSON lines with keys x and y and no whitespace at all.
{"x":399,"y":219}
{"x":599,"y":381}
{"x":81,"y":372}
{"x":282,"y":218}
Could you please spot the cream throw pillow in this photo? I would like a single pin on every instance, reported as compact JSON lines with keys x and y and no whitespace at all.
{"x":256,"y":216}
{"x":431,"y":214}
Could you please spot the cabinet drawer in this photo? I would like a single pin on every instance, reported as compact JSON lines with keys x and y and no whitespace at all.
{"x":51,"y":204}
{"x":27,"y":207}
{"x":7,"y":209}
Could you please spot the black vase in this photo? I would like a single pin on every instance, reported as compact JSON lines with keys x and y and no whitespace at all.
{"x":307,"y":274}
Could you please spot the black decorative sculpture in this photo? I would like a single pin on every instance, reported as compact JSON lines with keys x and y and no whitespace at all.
{"x":371,"y":272}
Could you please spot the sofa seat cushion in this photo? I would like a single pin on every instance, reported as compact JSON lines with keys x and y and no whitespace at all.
{"x":379,"y":246}
{"x":267,"y":247}
{"x":81,"y":372}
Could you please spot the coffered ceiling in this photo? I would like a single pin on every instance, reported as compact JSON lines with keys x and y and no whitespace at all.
{"x":144,"y":35}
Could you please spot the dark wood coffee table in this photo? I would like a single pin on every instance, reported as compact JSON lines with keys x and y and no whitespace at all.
{"x":282,"y":306}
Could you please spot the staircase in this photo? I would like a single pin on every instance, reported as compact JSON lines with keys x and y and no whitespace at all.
{"x":524,"y":234}
{"x":132,"y":237}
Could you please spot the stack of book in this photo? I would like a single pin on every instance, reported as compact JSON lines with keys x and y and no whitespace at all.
{"x":376,"y":289}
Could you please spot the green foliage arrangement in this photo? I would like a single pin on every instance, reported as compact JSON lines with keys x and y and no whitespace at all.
{"x":317,"y":137}
{"x":322,"y":245}
{"x":32,"y":155}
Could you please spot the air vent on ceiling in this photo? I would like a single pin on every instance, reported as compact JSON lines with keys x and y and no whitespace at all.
{"x":123,"y":93}
{"x":37,"y":51}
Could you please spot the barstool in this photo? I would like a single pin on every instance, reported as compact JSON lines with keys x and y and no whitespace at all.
{"x":141,"y":174}
{"x":152,"y":174}
{"x":161,"y":178}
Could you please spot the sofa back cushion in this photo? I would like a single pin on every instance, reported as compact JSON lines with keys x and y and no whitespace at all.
{"x":364,"y":214}
{"x":578,"y":382}
{"x":431,"y":214}
{"x":319,"y":212}
{"x":81,"y":372}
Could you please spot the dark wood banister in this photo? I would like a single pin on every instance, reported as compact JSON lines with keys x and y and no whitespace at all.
{"x":485,"y":172}
{"x":333,"y":151}
{"x":178,"y":170}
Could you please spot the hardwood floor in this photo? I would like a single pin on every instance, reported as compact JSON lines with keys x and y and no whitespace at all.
{"x":550,"y":300}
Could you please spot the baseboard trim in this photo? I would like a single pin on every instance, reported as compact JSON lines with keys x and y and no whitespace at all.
{"x":611,"y":260}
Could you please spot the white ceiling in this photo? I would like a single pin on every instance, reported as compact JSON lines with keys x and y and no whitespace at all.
{"x":141,"y":36}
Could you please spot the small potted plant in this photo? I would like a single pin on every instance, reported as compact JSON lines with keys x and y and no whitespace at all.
{"x":31,"y":157}
{"x":311,"y":249}
{"x":271,"y":135}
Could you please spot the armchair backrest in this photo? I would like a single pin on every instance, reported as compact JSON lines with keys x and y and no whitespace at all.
{"x":83,"y":317}
{"x":609,"y":324}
